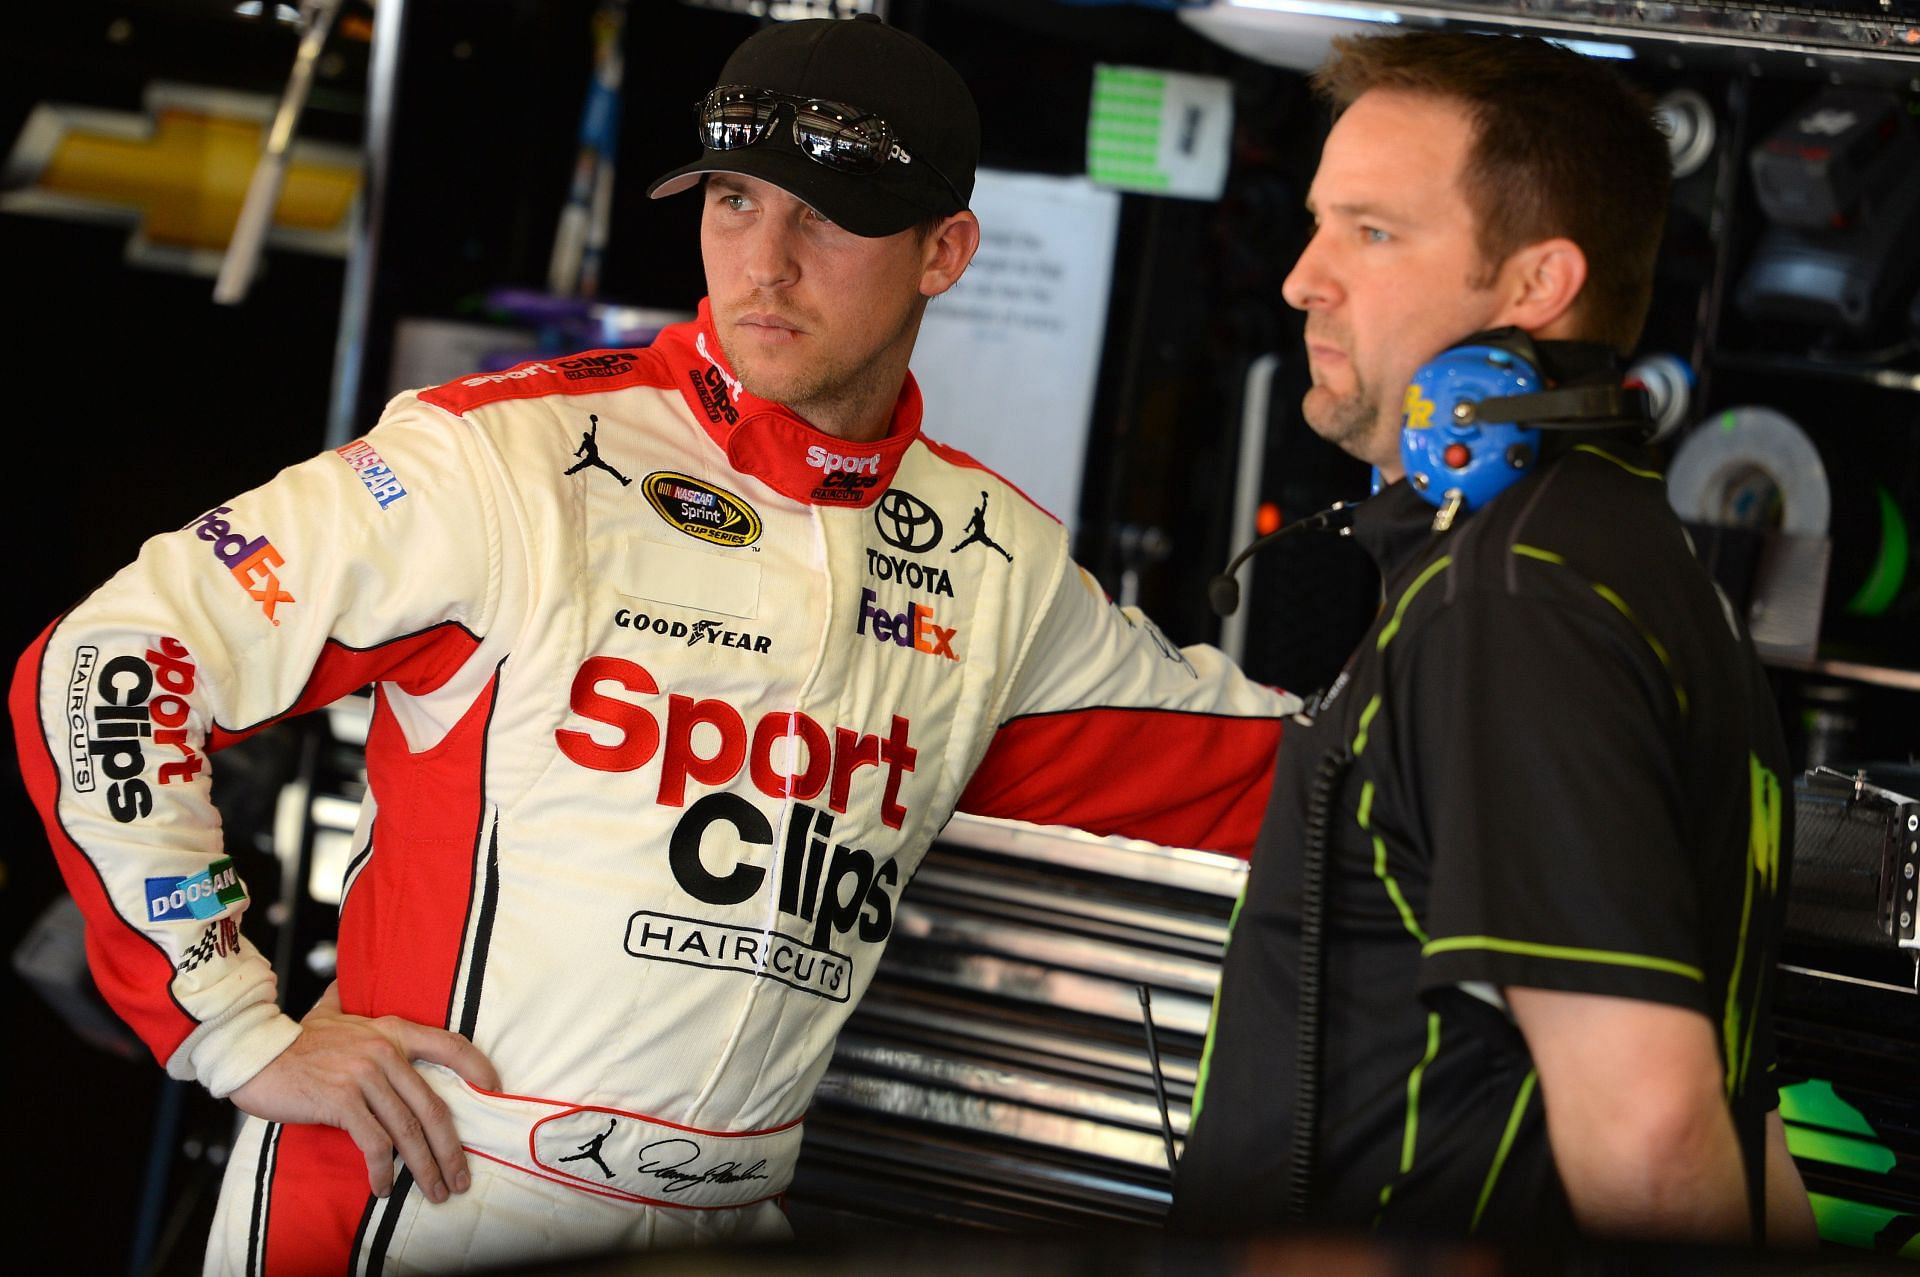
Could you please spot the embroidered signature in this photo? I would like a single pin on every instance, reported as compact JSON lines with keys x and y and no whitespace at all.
{"x":657,"y":1160}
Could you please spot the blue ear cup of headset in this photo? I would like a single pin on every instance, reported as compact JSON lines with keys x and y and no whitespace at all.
{"x":1445,"y":446}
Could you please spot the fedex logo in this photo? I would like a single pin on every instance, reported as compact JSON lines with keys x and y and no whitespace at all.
{"x":251,"y":560}
{"x":912,"y":628}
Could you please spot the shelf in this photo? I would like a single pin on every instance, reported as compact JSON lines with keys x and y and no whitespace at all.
{"x":1869,"y":46}
{"x":1901,"y":379}
{"x":1878,"y":675}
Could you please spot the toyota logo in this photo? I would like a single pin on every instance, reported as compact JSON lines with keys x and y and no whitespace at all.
{"x":906,"y":522}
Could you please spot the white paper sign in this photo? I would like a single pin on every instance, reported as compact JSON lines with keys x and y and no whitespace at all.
{"x":1008,"y":358}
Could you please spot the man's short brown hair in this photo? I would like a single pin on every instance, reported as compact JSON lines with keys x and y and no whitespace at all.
{"x":1562,"y":146}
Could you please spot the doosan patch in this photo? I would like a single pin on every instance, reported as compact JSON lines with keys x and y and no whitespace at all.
{"x":207,"y":894}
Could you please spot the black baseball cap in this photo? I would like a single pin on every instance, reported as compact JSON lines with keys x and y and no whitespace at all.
{"x":880,"y":69}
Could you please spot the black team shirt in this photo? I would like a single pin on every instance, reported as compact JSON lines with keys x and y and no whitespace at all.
{"x":1567,"y":774}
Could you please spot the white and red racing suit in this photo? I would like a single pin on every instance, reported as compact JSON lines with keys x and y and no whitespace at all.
{"x":672,"y":694}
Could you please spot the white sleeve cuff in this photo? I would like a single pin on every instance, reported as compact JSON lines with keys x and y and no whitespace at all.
{"x":225,"y":1055}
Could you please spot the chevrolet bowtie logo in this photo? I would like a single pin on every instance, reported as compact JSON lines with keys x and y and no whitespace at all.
{"x":178,"y":173}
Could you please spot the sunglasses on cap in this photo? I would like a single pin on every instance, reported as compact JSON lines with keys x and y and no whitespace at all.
{"x":840,"y":137}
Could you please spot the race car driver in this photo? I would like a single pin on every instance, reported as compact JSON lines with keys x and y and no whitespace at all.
{"x":682,"y":656}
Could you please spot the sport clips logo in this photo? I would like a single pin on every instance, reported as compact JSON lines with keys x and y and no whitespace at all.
{"x":720,"y":851}
{"x":580,"y":367}
{"x":114,"y":716}
{"x":716,"y":388}
{"x":847,"y":477}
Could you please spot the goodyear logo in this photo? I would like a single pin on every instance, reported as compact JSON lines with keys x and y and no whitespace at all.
{"x":701,"y":510}
{"x":206,"y":894}
{"x":1418,"y":409}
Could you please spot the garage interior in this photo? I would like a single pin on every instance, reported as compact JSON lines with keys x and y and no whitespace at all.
{"x":1029,"y":1049}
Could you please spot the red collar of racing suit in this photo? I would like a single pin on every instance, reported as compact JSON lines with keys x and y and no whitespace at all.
{"x":770,"y":442}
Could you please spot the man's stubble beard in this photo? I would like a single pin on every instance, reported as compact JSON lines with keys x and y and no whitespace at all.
{"x":822,"y":385}
{"x":1351,"y":422}
{"x":805,"y":383}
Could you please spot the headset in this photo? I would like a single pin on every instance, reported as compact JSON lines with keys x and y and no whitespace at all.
{"x":1472,"y":425}
{"x":1472,"y":421}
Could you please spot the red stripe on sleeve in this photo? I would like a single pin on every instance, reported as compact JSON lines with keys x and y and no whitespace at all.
{"x":589,"y":372}
{"x":133,"y":973}
{"x":415,"y":663}
{"x":1179,"y":779}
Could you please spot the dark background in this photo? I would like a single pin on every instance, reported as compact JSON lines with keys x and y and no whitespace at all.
{"x":137,"y":403}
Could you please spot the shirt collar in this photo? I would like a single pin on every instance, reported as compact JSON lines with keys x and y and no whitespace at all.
{"x":768,"y":440}
{"x":1393,"y":525}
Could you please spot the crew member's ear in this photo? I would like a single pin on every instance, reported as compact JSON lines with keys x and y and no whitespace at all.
{"x":945,"y":253}
{"x":1541,"y":282}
